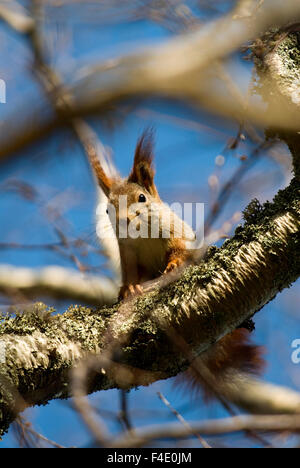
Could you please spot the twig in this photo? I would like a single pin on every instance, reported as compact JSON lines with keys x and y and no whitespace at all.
{"x":124,"y":414}
{"x":231,"y":425}
{"x":182,"y":420}
{"x":233,"y":182}
{"x":27,"y":428}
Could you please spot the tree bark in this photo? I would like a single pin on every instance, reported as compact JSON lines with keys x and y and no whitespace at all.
{"x":206,"y":302}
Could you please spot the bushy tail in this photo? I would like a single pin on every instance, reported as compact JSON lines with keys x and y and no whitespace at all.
{"x":223,"y":371}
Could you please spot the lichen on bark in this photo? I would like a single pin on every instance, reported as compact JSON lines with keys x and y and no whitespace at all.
{"x":277,"y":60}
{"x":206,"y":302}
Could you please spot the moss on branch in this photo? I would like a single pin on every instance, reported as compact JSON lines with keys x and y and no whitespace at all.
{"x":277,"y":60}
{"x":38,"y":348}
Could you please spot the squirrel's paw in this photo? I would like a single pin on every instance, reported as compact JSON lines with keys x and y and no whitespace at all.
{"x":130,"y":290}
{"x":173,"y":264}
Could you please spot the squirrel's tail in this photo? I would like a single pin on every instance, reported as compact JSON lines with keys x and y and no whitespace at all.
{"x":226,"y":370}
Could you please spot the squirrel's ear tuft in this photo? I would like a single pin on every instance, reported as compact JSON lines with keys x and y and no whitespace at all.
{"x":142,"y":172}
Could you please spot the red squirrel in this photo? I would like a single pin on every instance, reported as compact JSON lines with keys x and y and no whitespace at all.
{"x":136,"y":203}
{"x":145,"y":258}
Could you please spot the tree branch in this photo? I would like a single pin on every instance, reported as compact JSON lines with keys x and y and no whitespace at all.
{"x":181,"y":68}
{"x":205,"y":303}
{"x":279,"y":71}
{"x":264,"y":423}
{"x":59,"y":283}
{"x":16,"y":16}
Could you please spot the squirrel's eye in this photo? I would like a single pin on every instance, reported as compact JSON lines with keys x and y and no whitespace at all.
{"x":142,"y":198}
{"x":107,"y":211}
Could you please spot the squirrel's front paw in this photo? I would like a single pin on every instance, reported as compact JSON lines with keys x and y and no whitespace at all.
{"x":130,"y":290}
{"x":173,"y":264}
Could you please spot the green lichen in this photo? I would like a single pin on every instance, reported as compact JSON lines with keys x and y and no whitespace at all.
{"x":277,"y":59}
{"x":286,"y":45}
{"x":148,"y":346}
{"x":83,"y":325}
{"x":289,"y":51}
{"x":78,"y":323}
{"x":30,"y":319}
{"x":252,"y":211}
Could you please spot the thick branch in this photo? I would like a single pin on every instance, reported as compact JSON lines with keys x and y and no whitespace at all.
{"x":205,"y":303}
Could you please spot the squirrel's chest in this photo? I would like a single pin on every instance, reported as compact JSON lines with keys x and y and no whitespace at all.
{"x":151,"y":255}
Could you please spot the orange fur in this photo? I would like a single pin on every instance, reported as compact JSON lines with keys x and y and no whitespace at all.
{"x":142,"y":172}
{"x":176,"y":255}
{"x":104,"y":181}
{"x":234,"y":352}
{"x":143,"y":259}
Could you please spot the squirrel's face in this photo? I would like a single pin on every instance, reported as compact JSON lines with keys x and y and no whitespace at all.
{"x":129,"y":201}
{"x":134,"y":202}
{"x":137,"y":193}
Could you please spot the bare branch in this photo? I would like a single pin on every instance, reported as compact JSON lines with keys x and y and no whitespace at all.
{"x":183,"y":67}
{"x":213,"y":427}
{"x":182,"y":420}
{"x":57,"y":282}
{"x":16,"y":16}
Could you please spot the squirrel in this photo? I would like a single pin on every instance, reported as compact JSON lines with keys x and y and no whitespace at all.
{"x":143,"y":258}
{"x":134,"y":203}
